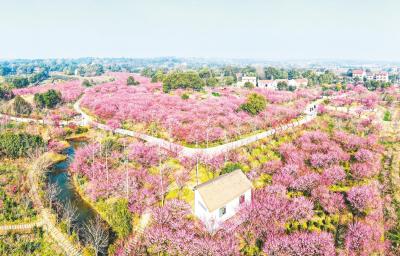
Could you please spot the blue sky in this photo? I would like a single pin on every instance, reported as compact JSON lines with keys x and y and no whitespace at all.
{"x":281,"y":29}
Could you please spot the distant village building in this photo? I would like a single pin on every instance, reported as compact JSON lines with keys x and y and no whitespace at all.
{"x":370,"y":76}
{"x":272,"y":84}
{"x":291,"y":82}
{"x":358,"y":73}
{"x":245,"y":79}
{"x":250,"y":79}
{"x":302,"y":82}
{"x":239,"y":76}
{"x":219,"y":199}
{"x":382,"y":76}
{"x":268,"y":84}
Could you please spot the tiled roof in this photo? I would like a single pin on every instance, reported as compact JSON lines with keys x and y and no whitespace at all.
{"x":217,"y":192}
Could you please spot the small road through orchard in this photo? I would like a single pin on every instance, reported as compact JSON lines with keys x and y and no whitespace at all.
{"x":310,"y":114}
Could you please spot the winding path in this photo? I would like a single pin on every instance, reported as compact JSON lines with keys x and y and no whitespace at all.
{"x":46,"y":219}
{"x":310,"y":114}
{"x":48,"y":222}
{"x":20,"y":228}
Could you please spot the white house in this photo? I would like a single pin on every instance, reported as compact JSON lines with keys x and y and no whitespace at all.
{"x":268,"y":84}
{"x":292,"y":82}
{"x":359,"y":73}
{"x":382,"y":76}
{"x":302,"y":81}
{"x":370,"y":76}
{"x":219,"y":199}
{"x":250,"y":79}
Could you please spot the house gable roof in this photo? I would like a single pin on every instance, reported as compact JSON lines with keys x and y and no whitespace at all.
{"x":217,"y":192}
{"x":358,"y":72}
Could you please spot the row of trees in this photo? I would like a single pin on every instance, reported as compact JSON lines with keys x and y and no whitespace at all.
{"x":373,"y":85}
{"x":210,"y":77}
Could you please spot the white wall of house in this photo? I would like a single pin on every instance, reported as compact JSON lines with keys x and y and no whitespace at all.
{"x":251,"y":79}
{"x":360,"y":76}
{"x":382,"y":77}
{"x":292,"y":82}
{"x":268,"y":85}
{"x":212,"y":220}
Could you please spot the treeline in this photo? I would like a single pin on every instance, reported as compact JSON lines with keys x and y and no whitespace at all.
{"x":24,"y":81}
{"x":326,"y":77}
{"x":195,"y":79}
{"x":19,"y":145}
{"x":227,"y":75}
{"x":373,"y":85}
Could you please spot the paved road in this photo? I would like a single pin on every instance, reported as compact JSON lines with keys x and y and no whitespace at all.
{"x":310,"y":113}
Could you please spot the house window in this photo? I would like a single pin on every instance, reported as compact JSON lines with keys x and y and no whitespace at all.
{"x":241,"y":199}
{"x":222,"y":211}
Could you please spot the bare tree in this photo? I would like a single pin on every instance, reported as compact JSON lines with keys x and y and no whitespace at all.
{"x":70,"y":214}
{"x":53,"y":190}
{"x":97,"y":235}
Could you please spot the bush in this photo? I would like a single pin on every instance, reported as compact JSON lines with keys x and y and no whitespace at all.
{"x":230,"y":167}
{"x":216,"y":94}
{"x":212,"y":82}
{"x":86,"y":83}
{"x":18,"y":145}
{"x":255,"y":104}
{"x":387,"y":116}
{"x":282,"y":86}
{"x":49,"y":99}
{"x":185,"y":96}
{"x":131,"y":81}
{"x":119,"y":217}
{"x":18,"y":82}
{"x":248,"y":85}
{"x":81,"y":130}
{"x":21,"y":106}
{"x":6,"y":94}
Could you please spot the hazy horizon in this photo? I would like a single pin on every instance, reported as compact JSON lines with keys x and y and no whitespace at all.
{"x":269,"y":30}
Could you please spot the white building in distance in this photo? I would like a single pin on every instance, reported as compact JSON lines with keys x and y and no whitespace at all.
{"x":382,"y":76}
{"x":370,"y":76}
{"x":245,"y":79}
{"x":219,"y":199}
{"x":272,"y":84}
{"x":268,"y":84}
{"x":358,"y":73}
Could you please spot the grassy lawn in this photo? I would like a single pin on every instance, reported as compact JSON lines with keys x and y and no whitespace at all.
{"x":37,"y":243}
{"x":16,"y":205}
